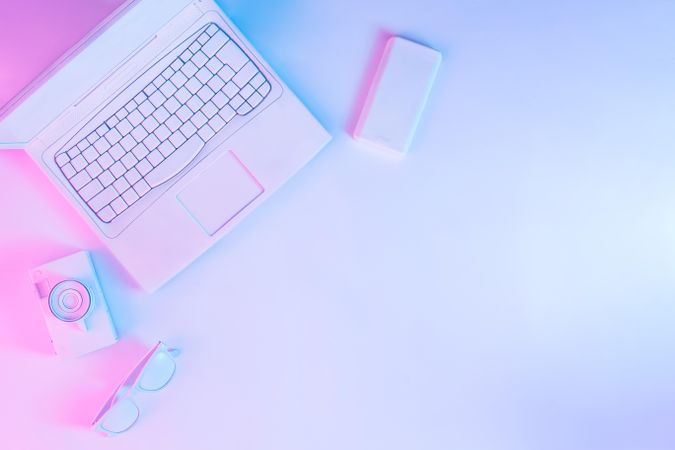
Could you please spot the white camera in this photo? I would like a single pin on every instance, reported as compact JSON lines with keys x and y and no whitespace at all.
{"x":73,"y":305}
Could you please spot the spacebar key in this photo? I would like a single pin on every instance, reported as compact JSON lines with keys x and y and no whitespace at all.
{"x":175,"y":162}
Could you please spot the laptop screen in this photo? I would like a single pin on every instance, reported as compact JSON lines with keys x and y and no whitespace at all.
{"x":37,"y":35}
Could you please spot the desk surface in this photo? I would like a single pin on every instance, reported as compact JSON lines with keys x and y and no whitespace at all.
{"x":508,"y":285}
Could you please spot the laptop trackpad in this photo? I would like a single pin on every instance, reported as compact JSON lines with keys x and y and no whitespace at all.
{"x":219,"y":193}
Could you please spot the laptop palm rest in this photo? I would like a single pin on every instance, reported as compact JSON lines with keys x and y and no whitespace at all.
{"x":219,"y":193}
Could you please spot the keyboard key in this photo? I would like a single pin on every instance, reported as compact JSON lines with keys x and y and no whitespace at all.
{"x":161,"y":115}
{"x":62,"y":159}
{"x":112,"y":122}
{"x":132,"y":176}
{"x":135,"y":117}
{"x":257,"y":80}
{"x":264,"y":89}
{"x":139,"y":98}
{"x":150,"y":124}
{"x":130,"y":106}
{"x":232,"y":55}
{"x":94,"y":169}
{"x":230,"y":89}
{"x":194,"y":48}
{"x":124,"y":127}
{"x":155,"y":158}
{"x":149,"y":89}
{"x":199,"y":59}
{"x":118,"y":205}
{"x":255,"y":99}
{"x":68,"y":170}
{"x":90,"y":154}
{"x":79,"y":180}
{"x":211,"y":30}
{"x":217,"y":123}
{"x":157,"y":98}
{"x":140,"y":151}
{"x":206,"y":133}
{"x":184,"y":113}
{"x":186,"y":55}
{"x":172,"y":105}
{"x":195,"y":103}
{"x":193,"y":85}
{"x":245,"y":74}
{"x":144,"y":166}
{"x":227,"y":113}
{"x":214,"y":65}
{"x":173,"y":123}
{"x":106,"y":178}
{"x":205,"y":93}
{"x":106,"y":214}
{"x":189,"y":69}
{"x":203,"y":38}
{"x":151,"y":142}
{"x":226,"y":73}
{"x":103,"y":129}
{"x":116,"y":152}
{"x":127,"y":143}
{"x":146,"y":108}
{"x":113,"y":136}
{"x":129,"y":160}
{"x":216,"y":84}
{"x":121,"y":114}
{"x":204,"y":75}
{"x":165,"y":148}
{"x":177,"y":138}
{"x":160,"y":80}
{"x":187,"y":130}
{"x":162,"y":133}
{"x":198,"y":120}
{"x":183,"y":95}
{"x":90,"y":189}
{"x":141,"y":188}
{"x":73,"y":152}
{"x":246,"y":91}
{"x":236,"y":101}
{"x":167,"y":73}
{"x":121,"y":185}
{"x":102,"y":199}
{"x":93,"y":137}
{"x":118,"y":169}
{"x":214,"y":44}
{"x":244,"y":109}
{"x":178,"y":79}
{"x":105,"y":160}
{"x":168,"y":89}
{"x":220,"y":99}
{"x":139,"y":133}
{"x":209,"y":109}
{"x":79,"y":162}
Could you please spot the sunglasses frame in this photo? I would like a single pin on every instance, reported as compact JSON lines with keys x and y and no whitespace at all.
{"x":130,"y":387}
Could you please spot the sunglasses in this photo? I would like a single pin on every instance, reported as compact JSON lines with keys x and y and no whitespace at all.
{"x":151,"y":374}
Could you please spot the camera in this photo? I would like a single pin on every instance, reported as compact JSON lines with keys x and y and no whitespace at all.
{"x":73,"y":305}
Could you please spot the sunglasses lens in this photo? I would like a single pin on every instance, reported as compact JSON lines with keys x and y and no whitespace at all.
{"x":120,"y":417}
{"x":158,"y":372}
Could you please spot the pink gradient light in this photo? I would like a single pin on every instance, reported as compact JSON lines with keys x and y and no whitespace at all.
{"x":34,"y":34}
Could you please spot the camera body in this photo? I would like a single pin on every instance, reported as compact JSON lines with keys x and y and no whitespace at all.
{"x":73,"y":305}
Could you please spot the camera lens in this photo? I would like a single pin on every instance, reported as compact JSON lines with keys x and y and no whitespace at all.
{"x":69,"y":301}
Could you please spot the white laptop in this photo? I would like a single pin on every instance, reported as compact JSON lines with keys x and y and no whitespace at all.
{"x":165,"y":131}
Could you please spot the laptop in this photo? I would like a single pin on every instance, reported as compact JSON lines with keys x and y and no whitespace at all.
{"x":165,"y":129}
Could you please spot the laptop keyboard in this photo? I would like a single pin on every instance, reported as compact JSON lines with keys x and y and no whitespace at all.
{"x":164,"y":126}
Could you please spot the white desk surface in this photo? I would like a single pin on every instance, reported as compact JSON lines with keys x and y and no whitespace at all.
{"x":508,"y":285}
